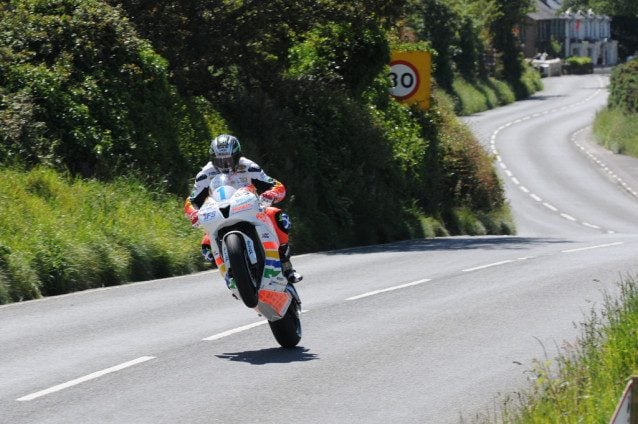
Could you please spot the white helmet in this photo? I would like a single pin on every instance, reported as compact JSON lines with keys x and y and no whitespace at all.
{"x":225,"y":152}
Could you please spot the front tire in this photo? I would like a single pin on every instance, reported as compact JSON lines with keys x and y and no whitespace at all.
{"x":287,"y":330}
{"x":240,"y":267}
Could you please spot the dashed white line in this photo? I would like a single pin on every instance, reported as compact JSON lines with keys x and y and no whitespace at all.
{"x":587,"y":224}
{"x":235,"y":330}
{"x":85,"y":378}
{"x":525,"y":189}
{"x":239,"y":329}
{"x":550,"y":207}
{"x":375,"y":292}
{"x":580,"y":249}
{"x":476,"y":268}
{"x":568,"y":217}
{"x":604,"y":167}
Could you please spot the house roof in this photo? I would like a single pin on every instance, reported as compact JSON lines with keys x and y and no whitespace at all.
{"x":545,"y":9}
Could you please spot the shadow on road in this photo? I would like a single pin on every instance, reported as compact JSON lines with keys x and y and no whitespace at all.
{"x":452,"y":243}
{"x":271,"y":356}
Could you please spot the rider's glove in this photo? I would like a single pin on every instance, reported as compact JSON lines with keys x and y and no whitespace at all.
{"x":194,"y":219}
{"x":267,"y":197}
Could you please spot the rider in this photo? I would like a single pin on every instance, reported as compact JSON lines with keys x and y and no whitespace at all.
{"x":225,"y":157}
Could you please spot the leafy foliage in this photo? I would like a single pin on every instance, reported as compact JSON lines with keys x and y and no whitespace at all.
{"x":623,"y":88}
{"x":136,"y":87}
{"x":578,"y":65}
{"x":81,"y":91}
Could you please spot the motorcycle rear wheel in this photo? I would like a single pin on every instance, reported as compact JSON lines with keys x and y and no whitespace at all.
{"x":287,"y":330}
{"x":240,"y":266}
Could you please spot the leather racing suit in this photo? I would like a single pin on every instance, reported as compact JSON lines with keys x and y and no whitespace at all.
{"x":246,"y":174}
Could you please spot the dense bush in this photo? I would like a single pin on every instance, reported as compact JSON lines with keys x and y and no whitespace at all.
{"x":578,"y":65}
{"x":616,"y":127}
{"x":623,"y":88}
{"x":307,"y":96}
{"x":79,"y":90}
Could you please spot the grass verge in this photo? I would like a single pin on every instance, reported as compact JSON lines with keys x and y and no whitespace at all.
{"x":617,"y":131}
{"x":59,"y":235}
{"x":584,"y":383}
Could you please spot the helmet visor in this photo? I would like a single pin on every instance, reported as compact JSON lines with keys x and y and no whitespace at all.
{"x":225,"y":163}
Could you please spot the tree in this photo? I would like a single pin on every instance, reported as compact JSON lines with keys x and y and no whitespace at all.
{"x":510,"y":14}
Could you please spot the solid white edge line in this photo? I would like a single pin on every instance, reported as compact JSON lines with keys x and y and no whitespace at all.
{"x":85,"y":378}
{"x":489,"y":265}
{"x":618,"y":243}
{"x":372,"y":293}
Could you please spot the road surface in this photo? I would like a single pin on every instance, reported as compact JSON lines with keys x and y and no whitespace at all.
{"x":425,"y":331}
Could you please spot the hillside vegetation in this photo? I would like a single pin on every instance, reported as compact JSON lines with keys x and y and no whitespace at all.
{"x":616,"y":127}
{"x":99,"y":90}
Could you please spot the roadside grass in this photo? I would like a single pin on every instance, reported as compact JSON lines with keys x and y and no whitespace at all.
{"x":484,"y":94}
{"x":584,"y":383}
{"x":474,"y":97}
{"x":59,"y":235}
{"x":617,"y":131}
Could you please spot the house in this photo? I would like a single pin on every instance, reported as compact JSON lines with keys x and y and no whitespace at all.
{"x":575,"y":33}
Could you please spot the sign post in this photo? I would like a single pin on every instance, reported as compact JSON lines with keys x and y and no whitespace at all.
{"x":410,"y":77}
{"x":627,"y":408}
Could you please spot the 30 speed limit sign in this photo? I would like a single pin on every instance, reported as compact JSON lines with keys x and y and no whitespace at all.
{"x":404,"y":79}
{"x":410,"y":77}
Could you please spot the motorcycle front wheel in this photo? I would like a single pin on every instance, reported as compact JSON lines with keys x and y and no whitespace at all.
{"x":287,"y":330}
{"x":240,"y":267}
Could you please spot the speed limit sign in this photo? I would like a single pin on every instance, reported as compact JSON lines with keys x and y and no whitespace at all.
{"x":410,"y":77}
{"x":404,"y":79}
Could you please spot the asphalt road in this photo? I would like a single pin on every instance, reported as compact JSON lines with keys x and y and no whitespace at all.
{"x":426,"y":331}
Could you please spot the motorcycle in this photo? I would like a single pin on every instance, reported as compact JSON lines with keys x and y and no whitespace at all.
{"x":245,"y":247}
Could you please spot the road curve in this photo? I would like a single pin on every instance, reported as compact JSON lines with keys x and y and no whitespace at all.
{"x":424,"y":331}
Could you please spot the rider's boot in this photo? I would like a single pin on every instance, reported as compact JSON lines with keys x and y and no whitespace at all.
{"x":286,"y":267}
{"x":207,"y":253}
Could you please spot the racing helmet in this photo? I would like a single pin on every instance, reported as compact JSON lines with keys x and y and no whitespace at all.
{"x":225,"y":152}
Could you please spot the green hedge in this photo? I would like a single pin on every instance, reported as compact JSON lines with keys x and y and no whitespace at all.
{"x":578,"y":65}
{"x":80,"y":91}
{"x":623,"y":87}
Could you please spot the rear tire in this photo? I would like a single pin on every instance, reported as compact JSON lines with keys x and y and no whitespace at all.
{"x":287,"y":330}
{"x":240,"y":266}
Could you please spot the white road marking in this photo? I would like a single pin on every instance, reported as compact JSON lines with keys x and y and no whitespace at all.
{"x":235,"y":330}
{"x":568,"y":217}
{"x":402,"y":286}
{"x":604,"y":167}
{"x":509,"y":261}
{"x":489,"y":265}
{"x":85,"y":378}
{"x":240,"y":329}
{"x":515,"y":180}
{"x":580,"y":249}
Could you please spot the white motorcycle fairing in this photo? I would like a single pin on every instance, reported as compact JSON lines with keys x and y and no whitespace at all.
{"x":232,"y":210}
